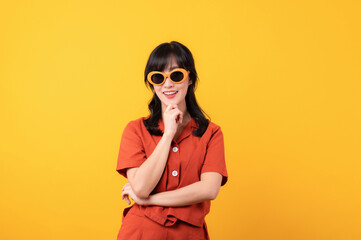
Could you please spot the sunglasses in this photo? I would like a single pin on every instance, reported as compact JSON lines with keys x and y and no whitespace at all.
{"x":177,"y":75}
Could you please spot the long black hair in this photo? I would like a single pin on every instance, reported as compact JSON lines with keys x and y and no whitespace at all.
{"x":157,"y":61}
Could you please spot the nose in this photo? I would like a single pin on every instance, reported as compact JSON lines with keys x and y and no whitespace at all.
{"x":168,"y":83}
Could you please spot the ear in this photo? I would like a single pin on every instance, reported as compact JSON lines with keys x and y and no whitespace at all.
{"x":190,"y":82}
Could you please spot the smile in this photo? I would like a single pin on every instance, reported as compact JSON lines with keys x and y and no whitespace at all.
{"x":170,"y":94}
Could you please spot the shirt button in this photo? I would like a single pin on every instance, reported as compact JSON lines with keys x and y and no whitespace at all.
{"x":174,"y":173}
{"x":175,"y":149}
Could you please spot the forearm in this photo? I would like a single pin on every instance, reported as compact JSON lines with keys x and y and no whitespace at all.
{"x":147,"y":176}
{"x":191,"y":194}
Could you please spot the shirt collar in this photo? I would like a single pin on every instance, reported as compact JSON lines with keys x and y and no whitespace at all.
{"x":191,"y":124}
{"x":187,"y":130}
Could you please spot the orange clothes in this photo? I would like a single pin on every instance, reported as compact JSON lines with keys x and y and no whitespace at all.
{"x":189,"y":157}
{"x":137,"y":227}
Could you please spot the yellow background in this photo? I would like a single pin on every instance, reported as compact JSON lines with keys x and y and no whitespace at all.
{"x":282,"y":79}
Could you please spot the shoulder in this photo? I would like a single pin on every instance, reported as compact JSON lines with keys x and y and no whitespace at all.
{"x":136,"y":126}
{"x":213,"y":131}
{"x":213,"y":127}
{"x":136,"y":123}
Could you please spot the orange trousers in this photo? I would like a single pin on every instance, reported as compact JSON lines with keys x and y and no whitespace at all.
{"x":138,"y":227}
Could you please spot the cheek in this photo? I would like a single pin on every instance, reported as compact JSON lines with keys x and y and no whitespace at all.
{"x":158,"y":91}
{"x":184,"y":89}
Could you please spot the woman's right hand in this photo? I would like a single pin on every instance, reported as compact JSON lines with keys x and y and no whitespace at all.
{"x":172,"y":118}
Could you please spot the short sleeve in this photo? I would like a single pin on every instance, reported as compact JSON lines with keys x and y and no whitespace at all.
{"x":131,"y":150}
{"x":215,"y":157}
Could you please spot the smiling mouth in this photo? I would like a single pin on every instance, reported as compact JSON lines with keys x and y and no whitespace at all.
{"x":170,"y":93}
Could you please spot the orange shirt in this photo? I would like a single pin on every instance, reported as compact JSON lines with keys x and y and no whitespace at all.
{"x":189,"y":157}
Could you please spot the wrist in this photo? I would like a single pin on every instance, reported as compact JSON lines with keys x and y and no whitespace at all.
{"x":149,"y":200}
{"x":168,"y":135}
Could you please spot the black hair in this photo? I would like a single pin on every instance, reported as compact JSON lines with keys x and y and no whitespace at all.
{"x":157,"y":61}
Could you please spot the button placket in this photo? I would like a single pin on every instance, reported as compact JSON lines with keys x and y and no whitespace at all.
{"x":174,"y":166}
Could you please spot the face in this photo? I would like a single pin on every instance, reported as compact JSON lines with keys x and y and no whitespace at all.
{"x":171,"y":92}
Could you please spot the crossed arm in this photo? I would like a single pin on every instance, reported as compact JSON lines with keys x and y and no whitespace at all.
{"x":205,"y":189}
{"x":143,"y":179}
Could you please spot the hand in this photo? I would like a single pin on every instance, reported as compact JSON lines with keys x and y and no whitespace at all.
{"x":172,"y":118}
{"x":128,"y":192}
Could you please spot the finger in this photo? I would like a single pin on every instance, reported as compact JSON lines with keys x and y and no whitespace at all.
{"x":175,"y":111}
{"x":125,"y":186}
{"x":179,"y":116}
{"x":169,"y":107}
{"x":127,"y":199}
{"x":181,"y":119}
{"x":176,"y":117}
{"x":174,"y":106}
{"x":124,"y":194}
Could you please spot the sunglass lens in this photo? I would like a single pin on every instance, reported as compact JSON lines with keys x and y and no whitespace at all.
{"x":157,"y":78}
{"x":177,"y":76}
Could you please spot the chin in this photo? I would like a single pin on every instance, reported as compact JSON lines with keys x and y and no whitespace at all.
{"x":169,"y":101}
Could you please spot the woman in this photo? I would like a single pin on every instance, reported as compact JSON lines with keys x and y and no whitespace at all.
{"x":174,"y":158}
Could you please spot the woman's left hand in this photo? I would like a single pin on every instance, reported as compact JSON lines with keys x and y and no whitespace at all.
{"x":128,"y":192}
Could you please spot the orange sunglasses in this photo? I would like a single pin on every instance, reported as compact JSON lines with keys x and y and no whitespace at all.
{"x":177,"y":75}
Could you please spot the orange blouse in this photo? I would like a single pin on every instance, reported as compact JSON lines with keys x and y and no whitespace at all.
{"x":189,"y":157}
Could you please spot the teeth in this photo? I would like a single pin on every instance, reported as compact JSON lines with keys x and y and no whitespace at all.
{"x":170,"y":93}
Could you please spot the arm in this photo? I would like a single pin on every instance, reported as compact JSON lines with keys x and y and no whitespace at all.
{"x":205,"y":189}
{"x":143,"y":179}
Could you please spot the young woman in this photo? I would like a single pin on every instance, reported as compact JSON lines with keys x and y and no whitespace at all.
{"x":174,"y":158}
